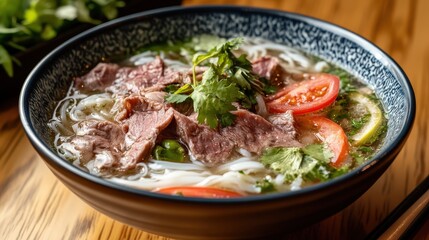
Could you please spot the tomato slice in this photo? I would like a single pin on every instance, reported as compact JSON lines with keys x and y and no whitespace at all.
{"x":204,"y":192}
{"x":330,"y":133}
{"x":306,"y":96}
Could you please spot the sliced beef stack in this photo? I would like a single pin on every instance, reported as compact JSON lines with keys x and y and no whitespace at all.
{"x":143,"y":117}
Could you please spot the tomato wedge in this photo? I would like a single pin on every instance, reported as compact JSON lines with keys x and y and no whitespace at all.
{"x":330,"y":133}
{"x":204,"y":192}
{"x":306,"y":96}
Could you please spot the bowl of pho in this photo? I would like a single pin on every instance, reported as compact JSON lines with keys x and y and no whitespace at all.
{"x":217,"y":122}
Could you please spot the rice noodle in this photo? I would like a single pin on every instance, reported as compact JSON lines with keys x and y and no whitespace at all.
{"x":239,"y":175}
{"x":163,"y":165}
{"x":142,"y":58}
{"x":96,"y":106}
{"x":261,"y":108}
{"x":294,"y":61}
{"x":147,"y":57}
{"x":238,"y":182}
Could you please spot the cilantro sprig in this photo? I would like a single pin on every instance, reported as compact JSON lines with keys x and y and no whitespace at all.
{"x":228,"y":79}
{"x":310,"y":162}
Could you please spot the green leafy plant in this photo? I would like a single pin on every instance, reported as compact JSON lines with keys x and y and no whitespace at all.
{"x":24,"y":23}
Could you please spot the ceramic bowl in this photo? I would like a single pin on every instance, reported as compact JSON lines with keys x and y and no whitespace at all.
{"x":197,"y":218}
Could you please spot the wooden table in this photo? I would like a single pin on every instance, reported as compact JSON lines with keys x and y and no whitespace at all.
{"x":35,"y":205}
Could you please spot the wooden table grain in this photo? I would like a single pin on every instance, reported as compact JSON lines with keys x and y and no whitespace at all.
{"x":35,"y":205}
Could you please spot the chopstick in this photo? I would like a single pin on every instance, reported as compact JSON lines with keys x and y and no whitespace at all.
{"x":419,"y":222}
{"x":406,"y":219}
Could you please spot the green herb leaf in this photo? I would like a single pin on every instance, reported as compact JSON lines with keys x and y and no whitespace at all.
{"x":311,"y":162}
{"x":223,"y":48}
{"x":266,"y":186}
{"x":176,"y":98}
{"x":319,"y":152}
{"x":4,"y":30}
{"x":283,"y":160}
{"x":213,"y":99}
{"x":358,"y":123}
{"x":240,"y":77}
{"x":346,"y":85}
{"x":6,"y":61}
{"x":171,"y":88}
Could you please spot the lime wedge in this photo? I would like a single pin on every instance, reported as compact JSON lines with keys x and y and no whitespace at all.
{"x":374,"y":123}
